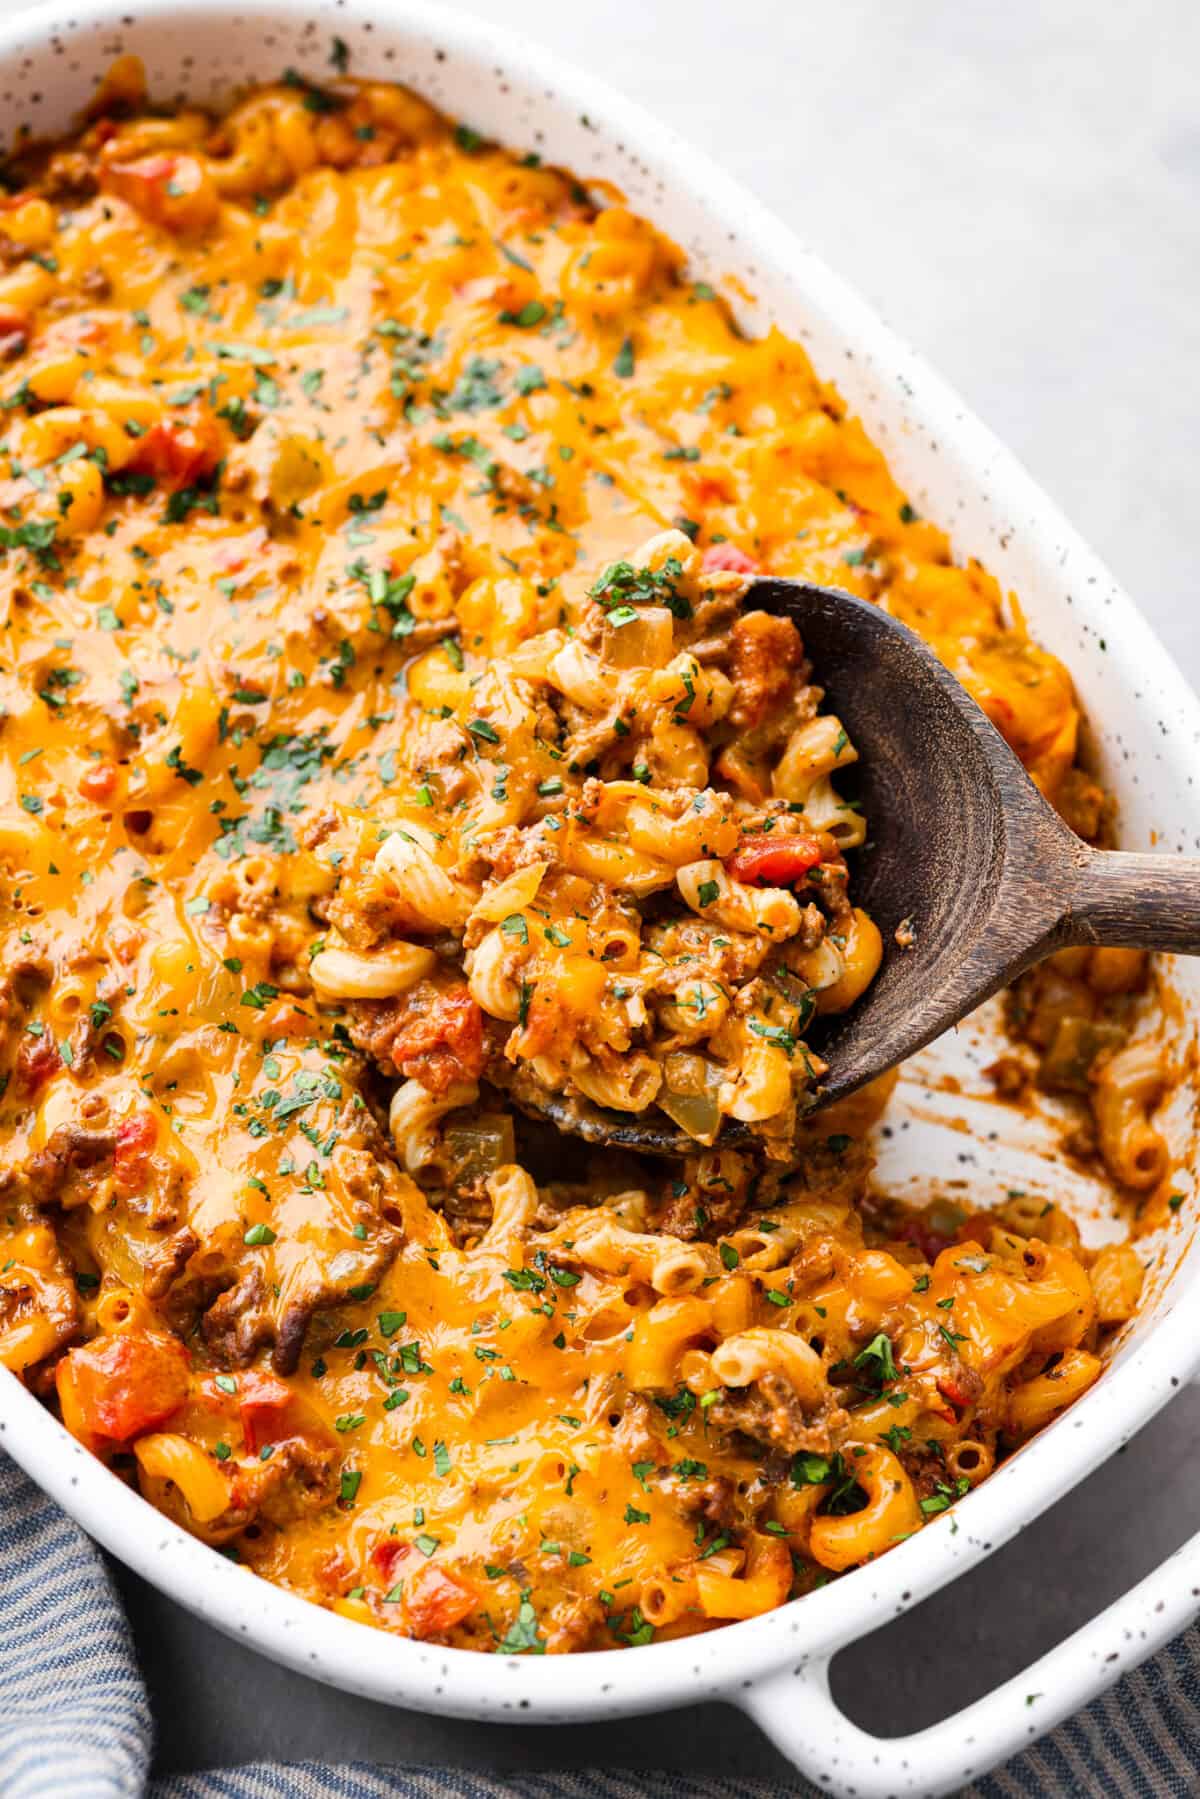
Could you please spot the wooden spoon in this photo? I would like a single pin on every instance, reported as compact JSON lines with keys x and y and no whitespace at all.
{"x":961,"y":845}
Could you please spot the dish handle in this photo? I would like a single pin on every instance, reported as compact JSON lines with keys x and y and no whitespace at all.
{"x":797,"y":1710}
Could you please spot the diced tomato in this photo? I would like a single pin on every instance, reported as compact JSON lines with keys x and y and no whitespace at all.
{"x":284,"y":1018}
{"x":727,"y":556}
{"x":949,"y":1389}
{"x":386,"y":1554}
{"x":432,"y":1034}
{"x":180,"y":452}
{"x":333,"y":1570}
{"x":136,"y":1137}
{"x":436,"y":1601}
{"x":1001,"y":712}
{"x":76,"y":331}
{"x":121,"y":1386}
{"x":99,"y":782}
{"x":14,"y":330}
{"x":549,"y":1025}
{"x":171,"y":190}
{"x":923,"y":1236}
{"x":774,"y":860}
{"x":707,"y":490}
{"x":266,"y":1406}
{"x":37,"y":1060}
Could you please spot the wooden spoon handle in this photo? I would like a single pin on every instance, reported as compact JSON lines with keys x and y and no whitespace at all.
{"x":1126,"y":901}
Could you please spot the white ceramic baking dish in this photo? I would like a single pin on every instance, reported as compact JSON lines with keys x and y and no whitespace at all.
{"x":1148,"y":729}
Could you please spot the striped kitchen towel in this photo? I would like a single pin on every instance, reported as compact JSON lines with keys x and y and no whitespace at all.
{"x":75,"y":1721}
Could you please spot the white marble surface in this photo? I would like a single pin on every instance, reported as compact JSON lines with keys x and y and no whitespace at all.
{"x":1017,"y":187}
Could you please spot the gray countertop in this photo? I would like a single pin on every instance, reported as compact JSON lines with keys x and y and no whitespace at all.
{"x":1016,"y":188}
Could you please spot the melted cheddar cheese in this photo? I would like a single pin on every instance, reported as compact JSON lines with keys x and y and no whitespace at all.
{"x":315,"y":418}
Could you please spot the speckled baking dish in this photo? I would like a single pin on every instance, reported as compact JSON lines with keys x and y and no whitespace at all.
{"x":1148,"y":745}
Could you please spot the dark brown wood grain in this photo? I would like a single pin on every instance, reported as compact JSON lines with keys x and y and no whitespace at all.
{"x":961,"y":844}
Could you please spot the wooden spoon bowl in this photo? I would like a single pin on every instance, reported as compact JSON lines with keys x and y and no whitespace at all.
{"x":962,"y":850}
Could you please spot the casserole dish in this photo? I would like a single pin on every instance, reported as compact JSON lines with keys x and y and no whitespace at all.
{"x":953,"y":469}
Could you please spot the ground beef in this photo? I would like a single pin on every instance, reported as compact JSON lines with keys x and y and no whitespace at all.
{"x":37,"y":1060}
{"x":636,"y":1435}
{"x":575,"y":1624}
{"x":467,"y":1208}
{"x":715,"y":1502}
{"x":712,"y":615}
{"x":299,"y":1478}
{"x":51,"y":1301}
{"x":927,"y":1471}
{"x":831,"y":880}
{"x":238,"y":1324}
{"x":765,"y":655}
{"x":961,"y":1387}
{"x":349,"y":1270}
{"x":168,"y":1262}
{"x":69,"y":1151}
{"x":705,"y":1198}
{"x":770,"y":1412}
{"x":96,"y":284}
{"x":69,"y":175}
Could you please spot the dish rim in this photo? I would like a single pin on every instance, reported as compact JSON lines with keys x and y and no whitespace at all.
{"x":727,"y":1661}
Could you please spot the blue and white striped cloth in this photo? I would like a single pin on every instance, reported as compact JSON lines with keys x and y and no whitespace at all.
{"x":75,"y":1720}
